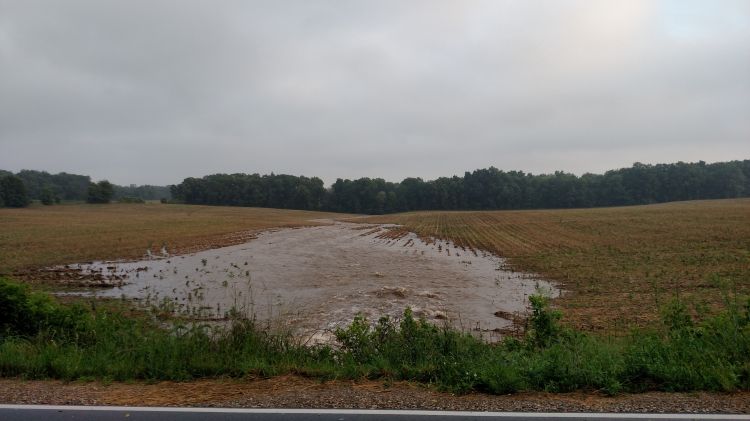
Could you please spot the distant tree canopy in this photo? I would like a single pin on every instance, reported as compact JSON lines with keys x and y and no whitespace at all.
{"x":488,"y":188}
{"x":63,"y":186}
{"x":145,"y":192}
{"x":272,"y":191}
{"x":13,"y":192}
{"x":100,"y":192}
{"x":47,"y":197}
{"x":53,"y":188}
{"x":481,"y":189}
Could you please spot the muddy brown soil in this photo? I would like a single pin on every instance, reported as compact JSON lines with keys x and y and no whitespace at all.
{"x":316,"y":279}
{"x":297,"y":392}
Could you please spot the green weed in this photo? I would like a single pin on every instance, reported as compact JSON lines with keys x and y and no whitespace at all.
{"x":44,"y":339}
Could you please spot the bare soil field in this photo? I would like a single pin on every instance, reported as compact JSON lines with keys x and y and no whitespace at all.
{"x":618,"y":265}
{"x":51,"y":235}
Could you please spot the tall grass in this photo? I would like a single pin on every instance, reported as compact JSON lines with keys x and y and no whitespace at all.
{"x":42,"y":339}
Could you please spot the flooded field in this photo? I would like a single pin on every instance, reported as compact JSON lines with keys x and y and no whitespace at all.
{"x":315,"y":279}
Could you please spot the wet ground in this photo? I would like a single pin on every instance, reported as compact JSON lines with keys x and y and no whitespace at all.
{"x":315,"y":279}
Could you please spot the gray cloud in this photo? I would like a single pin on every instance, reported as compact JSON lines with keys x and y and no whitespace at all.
{"x":154,"y":91}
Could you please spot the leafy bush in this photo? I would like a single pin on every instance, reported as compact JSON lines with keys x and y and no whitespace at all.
{"x":43,"y":339}
{"x":683,"y":356}
{"x":24,"y":313}
{"x":544,"y":324}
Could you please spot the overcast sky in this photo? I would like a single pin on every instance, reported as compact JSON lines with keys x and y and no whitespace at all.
{"x":155,"y":91}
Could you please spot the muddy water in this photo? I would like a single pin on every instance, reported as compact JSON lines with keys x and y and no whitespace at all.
{"x":314,"y":279}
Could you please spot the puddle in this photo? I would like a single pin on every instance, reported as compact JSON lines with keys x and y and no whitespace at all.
{"x":315,"y":279}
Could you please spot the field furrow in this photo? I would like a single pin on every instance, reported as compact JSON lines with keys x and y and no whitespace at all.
{"x":618,"y":265}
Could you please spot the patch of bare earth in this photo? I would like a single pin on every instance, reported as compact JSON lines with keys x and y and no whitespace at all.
{"x":298,"y":392}
{"x":617,"y":265}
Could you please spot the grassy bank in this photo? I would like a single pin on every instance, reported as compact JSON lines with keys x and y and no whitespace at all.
{"x":49,"y":235}
{"x":619,"y":265}
{"x":42,"y":339}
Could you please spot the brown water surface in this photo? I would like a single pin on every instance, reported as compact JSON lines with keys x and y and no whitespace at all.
{"x":315,"y":279}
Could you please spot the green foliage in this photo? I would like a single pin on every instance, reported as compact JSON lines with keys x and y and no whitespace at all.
{"x":482,"y":189}
{"x":40,"y":185}
{"x":685,"y":355}
{"x":47,"y":197}
{"x":23,"y":313}
{"x":64,"y":186}
{"x":13,"y":192}
{"x":273,"y":191}
{"x":42,"y":339}
{"x":411,"y":350}
{"x":100,"y":192}
{"x":145,"y":192}
{"x":544,"y":327}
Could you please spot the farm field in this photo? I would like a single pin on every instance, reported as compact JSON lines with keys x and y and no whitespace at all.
{"x":618,"y":265}
{"x":44,"y":236}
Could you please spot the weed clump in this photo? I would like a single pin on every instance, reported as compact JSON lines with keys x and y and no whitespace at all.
{"x":25,"y":313}
{"x":40,"y":338}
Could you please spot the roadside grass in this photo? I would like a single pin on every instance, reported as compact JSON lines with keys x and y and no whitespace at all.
{"x":40,"y":338}
{"x":42,"y":236}
{"x":618,"y":266}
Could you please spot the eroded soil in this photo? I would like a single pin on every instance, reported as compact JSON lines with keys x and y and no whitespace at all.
{"x":315,"y":279}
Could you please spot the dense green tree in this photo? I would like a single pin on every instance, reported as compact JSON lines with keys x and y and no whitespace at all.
{"x":47,"y":197}
{"x":277,"y":191}
{"x":63,"y":185}
{"x":488,"y":188}
{"x":100,"y":192}
{"x":13,"y":192}
{"x":74,"y":187}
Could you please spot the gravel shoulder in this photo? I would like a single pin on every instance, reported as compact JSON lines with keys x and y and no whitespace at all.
{"x":298,"y":392}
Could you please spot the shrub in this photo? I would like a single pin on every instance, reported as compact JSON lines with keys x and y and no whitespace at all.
{"x":544,"y":324}
{"x":24,"y":313}
{"x":40,"y":338}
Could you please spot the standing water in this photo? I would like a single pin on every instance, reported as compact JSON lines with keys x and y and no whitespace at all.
{"x":315,"y":279}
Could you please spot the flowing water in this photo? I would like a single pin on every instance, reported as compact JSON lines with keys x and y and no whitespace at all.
{"x":315,"y":279}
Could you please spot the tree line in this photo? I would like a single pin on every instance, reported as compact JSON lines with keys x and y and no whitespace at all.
{"x":19,"y":189}
{"x":272,"y":191}
{"x":482,"y":189}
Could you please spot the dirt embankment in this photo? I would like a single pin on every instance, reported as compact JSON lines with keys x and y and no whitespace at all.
{"x":297,"y":392}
